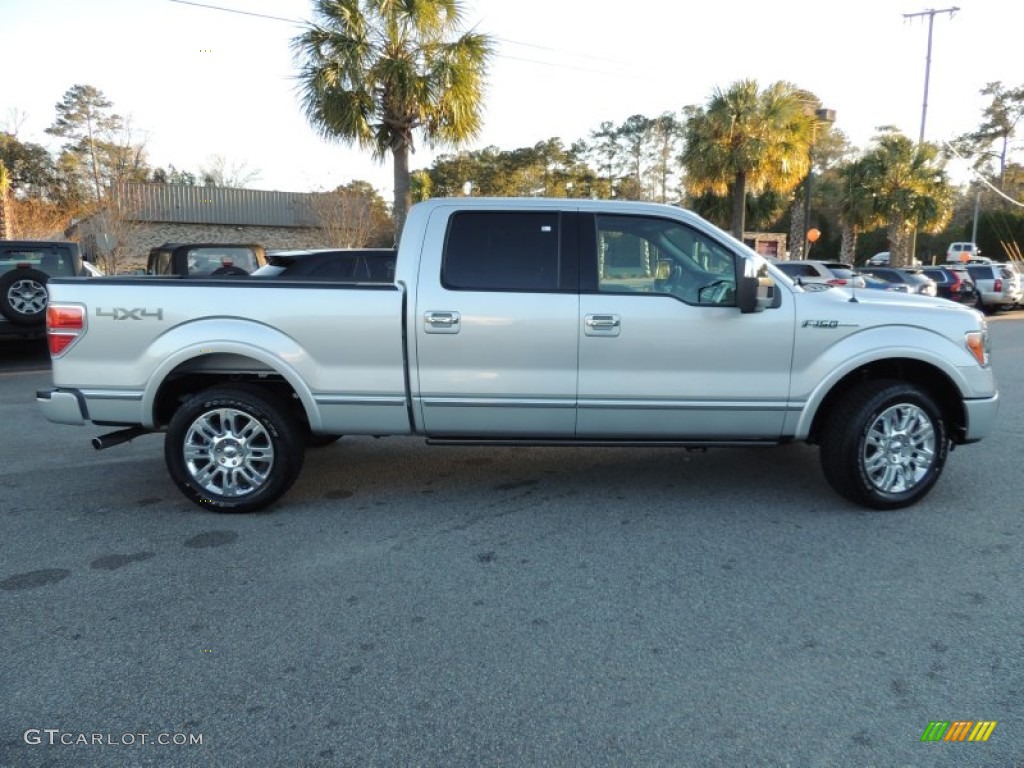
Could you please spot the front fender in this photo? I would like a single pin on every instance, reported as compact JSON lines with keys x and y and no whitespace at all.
{"x":953,"y":364}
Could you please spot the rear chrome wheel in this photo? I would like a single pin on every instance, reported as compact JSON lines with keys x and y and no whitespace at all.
{"x":228,"y":452}
{"x":234,"y":449}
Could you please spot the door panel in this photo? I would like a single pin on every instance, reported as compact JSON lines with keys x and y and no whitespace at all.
{"x":680,"y":371}
{"x":684,"y":363}
{"x":495,"y":362}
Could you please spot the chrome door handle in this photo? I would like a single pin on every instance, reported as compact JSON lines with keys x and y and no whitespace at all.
{"x":602,"y":322}
{"x":602,"y":325}
{"x":441,"y":322}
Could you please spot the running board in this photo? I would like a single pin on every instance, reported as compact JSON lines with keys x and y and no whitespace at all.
{"x":540,"y":442}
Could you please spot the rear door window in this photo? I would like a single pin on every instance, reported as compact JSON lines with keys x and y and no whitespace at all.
{"x":502,"y":251}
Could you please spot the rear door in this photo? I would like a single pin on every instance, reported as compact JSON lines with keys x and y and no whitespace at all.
{"x":664,"y":350}
{"x":496,"y":323}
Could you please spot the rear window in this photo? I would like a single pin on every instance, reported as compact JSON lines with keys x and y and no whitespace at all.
{"x":980,"y":272}
{"x":797,"y":270}
{"x":204,"y":261}
{"x":55,"y":262}
{"x":840,"y":271}
{"x":501,"y":251}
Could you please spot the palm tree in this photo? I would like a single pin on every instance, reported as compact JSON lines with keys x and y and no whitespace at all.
{"x":376,"y":71}
{"x":745,"y":140}
{"x":858,"y":206}
{"x":911,"y":188}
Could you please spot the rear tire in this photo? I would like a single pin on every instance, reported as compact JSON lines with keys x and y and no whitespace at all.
{"x":234,"y":449}
{"x":23,"y":297}
{"x":884,"y":446}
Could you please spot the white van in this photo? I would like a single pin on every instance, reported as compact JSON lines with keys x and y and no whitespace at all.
{"x":960,"y":252}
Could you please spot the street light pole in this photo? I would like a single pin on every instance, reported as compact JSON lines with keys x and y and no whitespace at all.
{"x":930,"y":13}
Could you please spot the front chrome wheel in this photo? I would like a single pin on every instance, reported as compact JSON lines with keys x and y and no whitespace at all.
{"x":884,"y":443}
{"x":228,"y":452}
{"x":899,"y":448}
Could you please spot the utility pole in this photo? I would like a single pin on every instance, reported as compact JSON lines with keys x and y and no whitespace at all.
{"x":930,"y":13}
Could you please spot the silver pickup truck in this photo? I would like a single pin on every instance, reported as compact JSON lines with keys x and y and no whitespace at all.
{"x":524,"y":322}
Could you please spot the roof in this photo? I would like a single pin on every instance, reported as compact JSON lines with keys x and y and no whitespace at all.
{"x":184,"y":204}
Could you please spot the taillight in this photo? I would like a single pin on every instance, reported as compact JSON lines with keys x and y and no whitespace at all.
{"x":956,"y":287}
{"x":998,"y":286}
{"x":837,"y":281}
{"x":65,"y":324}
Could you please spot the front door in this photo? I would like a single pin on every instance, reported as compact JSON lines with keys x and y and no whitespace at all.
{"x":664,"y":350}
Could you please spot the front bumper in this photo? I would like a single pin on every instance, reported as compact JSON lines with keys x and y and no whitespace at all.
{"x":981,"y":417}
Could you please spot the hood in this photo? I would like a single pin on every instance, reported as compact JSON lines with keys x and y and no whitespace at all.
{"x":865,"y":308}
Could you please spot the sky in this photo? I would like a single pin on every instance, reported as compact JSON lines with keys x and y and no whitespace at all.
{"x":197,"y":82}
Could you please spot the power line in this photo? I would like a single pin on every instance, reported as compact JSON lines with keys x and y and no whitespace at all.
{"x":296,"y":22}
{"x":235,"y":10}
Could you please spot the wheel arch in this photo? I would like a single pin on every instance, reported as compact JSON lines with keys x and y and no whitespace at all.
{"x":196,"y":368}
{"x":930,"y":378}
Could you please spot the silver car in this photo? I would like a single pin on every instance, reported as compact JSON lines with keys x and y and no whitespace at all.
{"x":999,"y":286}
{"x":821,"y":273}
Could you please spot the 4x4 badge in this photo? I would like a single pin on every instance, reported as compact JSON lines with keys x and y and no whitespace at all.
{"x":138,"y":313}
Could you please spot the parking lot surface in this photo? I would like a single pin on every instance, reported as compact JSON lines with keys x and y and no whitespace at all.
{"x":418,"y":606}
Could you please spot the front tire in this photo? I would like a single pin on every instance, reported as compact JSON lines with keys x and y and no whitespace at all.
{"x":233,"y":449}
{"x":884,"y":446}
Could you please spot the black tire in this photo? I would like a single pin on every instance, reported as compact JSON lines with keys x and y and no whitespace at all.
{"x":244,"y":448}
{"x":23,"y":296}
{"x":884,"y":446}
{"x":229,"y":271}
{"x":321,"y":441}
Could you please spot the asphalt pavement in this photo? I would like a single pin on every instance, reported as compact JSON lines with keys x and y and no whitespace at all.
{"x":406,"y":605}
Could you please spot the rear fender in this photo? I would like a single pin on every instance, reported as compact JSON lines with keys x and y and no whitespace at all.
{"x":271,"y":350}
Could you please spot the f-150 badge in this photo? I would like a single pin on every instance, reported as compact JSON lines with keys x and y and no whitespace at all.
{"x":826,"y":324}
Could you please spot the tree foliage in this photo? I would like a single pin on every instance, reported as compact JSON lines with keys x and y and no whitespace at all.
{"x":353,"y":216}
{"x":747,"y":139}
{"x":989,"y":145}
{"x":100,"y":150}
{"x":30,"y":167}
{"x":376,"y":72}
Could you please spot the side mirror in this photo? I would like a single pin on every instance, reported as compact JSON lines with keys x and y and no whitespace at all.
{"x":755,"y":294}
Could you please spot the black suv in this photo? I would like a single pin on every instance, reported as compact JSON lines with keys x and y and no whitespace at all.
{"x":954,"y":283}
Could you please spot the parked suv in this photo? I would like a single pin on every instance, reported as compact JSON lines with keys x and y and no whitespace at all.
{"x":999,"y":286}
{"x":954,"y":283}
{"x":914,"y":279}
{"x":962,"y":252}
{"x":821,"y":273}
{"x":25,"y":268}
